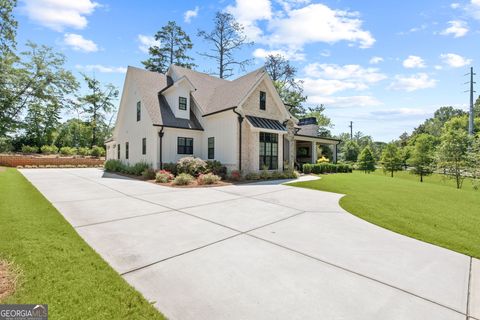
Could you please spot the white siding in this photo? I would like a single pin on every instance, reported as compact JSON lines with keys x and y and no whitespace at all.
{"x":223,"y":127}
{"x":132,"y":131}
{"x":169,"y":147}
{"x":172,"y":96}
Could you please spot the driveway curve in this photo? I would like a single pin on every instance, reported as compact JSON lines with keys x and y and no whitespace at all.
{"x":258,"y":251}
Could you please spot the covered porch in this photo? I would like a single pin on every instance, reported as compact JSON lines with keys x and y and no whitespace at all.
{"x":308,"y":149}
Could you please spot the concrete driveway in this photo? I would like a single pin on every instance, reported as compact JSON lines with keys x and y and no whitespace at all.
{"x":259,"y":251}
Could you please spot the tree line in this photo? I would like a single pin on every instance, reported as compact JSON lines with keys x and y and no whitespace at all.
{"x":440,"y":144}
{"x":36,"y":90}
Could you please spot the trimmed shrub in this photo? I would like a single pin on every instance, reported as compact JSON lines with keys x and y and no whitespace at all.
{"x":29,"y":149}
{"x":307,"y":168}
{"x":171,"y":167}
{"x":136,"y":169}
{"x":46,"y":149}
{"x":217,"y":168}
{"x":113,"y":166}
{"x":183,"y":179}
{"x":192,"y":166}
{"x":98,"y":152}
{"x":291,"y":174}
{"x":252,"y":176}
{"x":148,"y":174}
{"x":208,"y":178}
{"x":164,"y":176}
{"x":83,"y":151}
{"x":68,"y":151}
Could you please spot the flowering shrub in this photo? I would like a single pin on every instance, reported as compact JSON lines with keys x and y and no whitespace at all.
{"x":192,"y":166}
{"x":183,"y":179}
{"x":164,"y":176}
{"x":235,"y":175}
{"x":323,"y":160}
{"x":208,"y":178}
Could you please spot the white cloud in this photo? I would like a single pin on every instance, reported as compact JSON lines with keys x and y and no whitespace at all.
{"x":375,"y":60}
{"x":348,"y":72}
{"x":473,"y":9}
{"x":326,"y":87}
{"x":457,"y":28}
{"x":189,"y":14}
{"x":59,"y":14}
{"x":248,"y":12}
{"x":293,"y":55}
{"x":318,"y":23}
{"x":413,"y":62}
{"x":414,"y":82}
{"x":146,"y":42}
{"x":345,"y":102}
{"x":101,"y":68}
{"x":455,"y":5}
{"x":79,"y":43}
{"x":455,"y":60}
{"x":438,"y":67}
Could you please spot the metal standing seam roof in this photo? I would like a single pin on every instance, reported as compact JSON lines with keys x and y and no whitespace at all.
{"x":265,"y":123}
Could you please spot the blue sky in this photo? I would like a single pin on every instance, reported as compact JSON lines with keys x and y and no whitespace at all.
{"x":386,"y":65}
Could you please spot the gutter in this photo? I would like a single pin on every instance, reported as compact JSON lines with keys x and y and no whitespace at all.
{"x":219,"y":111}
{"x":160,"y":135}
{"x":240,"y":120}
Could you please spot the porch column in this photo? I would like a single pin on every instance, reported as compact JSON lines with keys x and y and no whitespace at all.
{"x":291,"y":144}
{"x":314,"y":152}
{"x":335,"y":153}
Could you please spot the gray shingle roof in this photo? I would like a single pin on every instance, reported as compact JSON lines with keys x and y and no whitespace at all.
{"x":212,"y":94}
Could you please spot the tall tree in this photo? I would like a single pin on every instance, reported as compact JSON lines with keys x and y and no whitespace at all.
{"x":422,"y":156}
{"x":290,"y":89}
{"x":391,"y":159}
{"x":473,"y":158}
{"x":39,"y":87}
{"x":350,"y":151}
{"x":97,"y":104}
{"x":227,"y":38}
{"x":366,"y":160}
{"x":452,"y":153}
{"x":172,"y":49}
{"x":8,"y":27}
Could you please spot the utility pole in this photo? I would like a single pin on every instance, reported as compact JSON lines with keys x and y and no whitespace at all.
{"x":470,"y":118}
{"x":351,"y":130}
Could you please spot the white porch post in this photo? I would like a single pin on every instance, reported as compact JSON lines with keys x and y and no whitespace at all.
{"x":291,"y":144}
{"x":314,"y":152}
{"x":335,"y":151}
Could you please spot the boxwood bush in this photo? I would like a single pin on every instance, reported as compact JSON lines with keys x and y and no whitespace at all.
{"x":320,"y":168}
{"x":46,"y":149}
{"x":29,"y":149}
{"x":68,"y":151}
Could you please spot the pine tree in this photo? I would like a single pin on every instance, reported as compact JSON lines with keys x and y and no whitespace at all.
{"x":366,"y":160}
{"x":172,"y":49}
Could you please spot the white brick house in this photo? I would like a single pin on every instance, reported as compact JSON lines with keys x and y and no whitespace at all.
{"x":242,"y":123}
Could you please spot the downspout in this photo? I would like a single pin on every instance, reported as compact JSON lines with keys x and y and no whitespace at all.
{"x":240,"y":120}
{"x":336,"y":153}
{"x":160,"y":135}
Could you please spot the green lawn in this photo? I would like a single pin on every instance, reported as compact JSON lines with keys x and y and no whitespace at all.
{"x":58,"y":267}
{"x":433,"y":211}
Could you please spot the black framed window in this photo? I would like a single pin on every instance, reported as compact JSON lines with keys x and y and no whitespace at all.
{"x":144,"y":146}
{"x":184,"y":145}
{"x":139,"y":110}
{"x":268,"y":150}
{"x":263,"y":100}
{"x":118,"y":151}
{"x":182,"y":103}
{"x":126,"y":150}
{"x":211,"y":148}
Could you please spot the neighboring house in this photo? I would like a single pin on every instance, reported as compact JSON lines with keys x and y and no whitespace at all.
{"x":241,"y":123}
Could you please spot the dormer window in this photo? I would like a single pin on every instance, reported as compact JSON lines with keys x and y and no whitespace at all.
{"x":263,"y":100}
{"x":139,"y":111}
{"x":182,"y":103}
